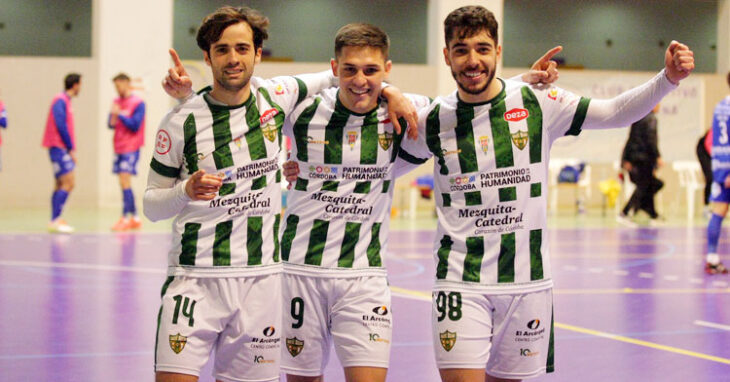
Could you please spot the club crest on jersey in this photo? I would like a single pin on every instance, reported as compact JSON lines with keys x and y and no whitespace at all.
{"x":294,"y":346}
{"x":484,"y":142}
{"x":177,"y":343}
{"x":520,"y":139}
{"x":237,"y":141}
{"x":269,"y":131}
{"x":448,"y":340}
{"x":279,"y":90}
{"x":351,"y":139}
{"x":385,"y":139}
{"x":516,"y":115}
{"x":553,"y":94}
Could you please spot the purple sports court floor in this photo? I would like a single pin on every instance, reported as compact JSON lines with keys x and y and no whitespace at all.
{"x":630,"y":305}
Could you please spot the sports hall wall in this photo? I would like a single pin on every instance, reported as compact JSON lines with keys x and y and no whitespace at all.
{"x":29,"y":78}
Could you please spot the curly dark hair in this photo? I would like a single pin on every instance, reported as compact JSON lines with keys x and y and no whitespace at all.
{"x":468,"y":21}
{"x":215,"y":23}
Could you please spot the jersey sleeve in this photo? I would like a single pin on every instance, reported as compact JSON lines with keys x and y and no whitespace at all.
{"x":629,"y":106}
{"x":59,"y":116}
{"x":414,"y":152}
{"x":163,"y":197}
{"x":420,"y":102}
{"x":134,"y":121}
{"x":289,"y":91}
{"x":167,"y":158}
{"x":564,"y":112}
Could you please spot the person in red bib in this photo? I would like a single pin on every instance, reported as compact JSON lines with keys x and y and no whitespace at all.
{"x":127,"y":120}
{"x":59,"y":138}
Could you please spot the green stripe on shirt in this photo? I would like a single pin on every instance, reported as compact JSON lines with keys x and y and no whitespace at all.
{"x":534,"y":124}
{"x":222,"y":243}
{"x":580,"y":115}
{"x":166,"y":171}
{"x":301,"y":129}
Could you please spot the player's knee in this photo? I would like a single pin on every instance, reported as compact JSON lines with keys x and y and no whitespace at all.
{"x":163,"y":376}
{"x":302,"y":378}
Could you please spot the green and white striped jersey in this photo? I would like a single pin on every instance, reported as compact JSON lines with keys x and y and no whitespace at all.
{"x":235,"y":233}
{"x":490,"y":175}
{"x":336,"y":222}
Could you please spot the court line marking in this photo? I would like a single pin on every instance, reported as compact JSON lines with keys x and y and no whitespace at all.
{"x":711,"y":325}
{"x":648,"y":344}
{"x":99,"y":267}
{"x":423,"y":296}
{"x":74,"y":355}
{"x":163,"y":270}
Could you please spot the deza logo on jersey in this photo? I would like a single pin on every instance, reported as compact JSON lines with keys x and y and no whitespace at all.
{"x":516,"y":115}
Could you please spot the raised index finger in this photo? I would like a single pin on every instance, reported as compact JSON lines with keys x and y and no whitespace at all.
{"x":176,"y":60}
{"x":549,"y":55}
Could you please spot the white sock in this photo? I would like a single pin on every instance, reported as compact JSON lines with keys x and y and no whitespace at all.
{"x":713,"y":258}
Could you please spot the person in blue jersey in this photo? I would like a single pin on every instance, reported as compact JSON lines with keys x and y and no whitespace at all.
{"x":59,"y":138}
{"x":720,"y":192}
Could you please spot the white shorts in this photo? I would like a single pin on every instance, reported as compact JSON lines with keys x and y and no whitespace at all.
{"x":510,"y":335}
{"x":352,"y":312}
{"x":239,"y":317}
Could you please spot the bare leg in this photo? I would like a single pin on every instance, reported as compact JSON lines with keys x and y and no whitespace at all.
{"x":163,"y":376}
{"x":301,"y":378}
{"x":462,"y":375}
{"x":365,"y":374}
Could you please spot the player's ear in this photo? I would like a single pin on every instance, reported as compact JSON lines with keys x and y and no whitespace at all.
{"x":257,"y":59}
{"x":446,"y":56}
{"x":206,"y":57}
{"x":333,"y":64}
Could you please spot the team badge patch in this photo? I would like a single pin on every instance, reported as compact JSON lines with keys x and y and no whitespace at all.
{"x":162,"y":142}
{"x":520,"y":139}
{"x":484,"y":142}
{"x":279,"y":90}
{"x":177,"y":343}
{"x":385,"y":139}
{"x":294,"y":346}
{"x":448,"y":340}
{"x":269,"y":131}
{"x":553,"y":94}
{"x":351,"y":139}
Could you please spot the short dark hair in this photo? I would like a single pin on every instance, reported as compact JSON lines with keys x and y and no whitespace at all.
{"x":215,"y":23}
{"x":468,"y":21}
{"x":362,"y":35}
{"x":121,"y":77}
{"x":71,"y":80}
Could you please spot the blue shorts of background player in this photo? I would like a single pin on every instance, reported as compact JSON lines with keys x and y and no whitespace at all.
{"x":61,"y":161}
{"x":126,"y":162}
{"x":719,"y":193}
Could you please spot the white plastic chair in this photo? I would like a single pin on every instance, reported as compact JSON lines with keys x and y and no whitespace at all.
{"x":689,"y":174}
